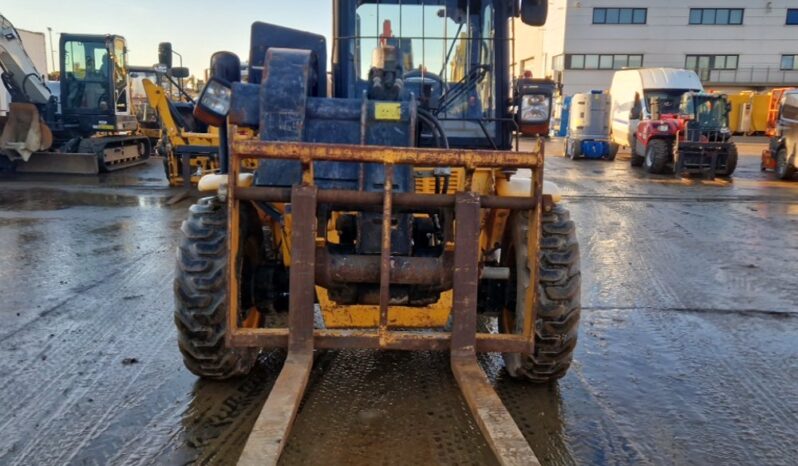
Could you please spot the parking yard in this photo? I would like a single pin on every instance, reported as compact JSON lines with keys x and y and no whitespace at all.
{"x":686,"y":350}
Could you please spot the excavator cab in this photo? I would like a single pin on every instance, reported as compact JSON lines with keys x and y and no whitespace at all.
{"x":94,"y":83}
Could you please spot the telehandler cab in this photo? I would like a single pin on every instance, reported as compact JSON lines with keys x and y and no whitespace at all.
{"x":382,"y":205}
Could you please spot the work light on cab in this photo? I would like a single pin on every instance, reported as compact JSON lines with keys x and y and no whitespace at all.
{"x":214,"y":103}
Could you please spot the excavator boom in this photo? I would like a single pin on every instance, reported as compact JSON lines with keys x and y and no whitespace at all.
{"x":20,"y":75}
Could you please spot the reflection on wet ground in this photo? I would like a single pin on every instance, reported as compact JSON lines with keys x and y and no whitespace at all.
{"x":687,"y":348}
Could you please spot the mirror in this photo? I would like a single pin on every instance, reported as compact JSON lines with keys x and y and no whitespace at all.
{"x":226,"y":66}
{"x":179,"y":72}
{"x":534,"y":12}
{"x":165,"y":54}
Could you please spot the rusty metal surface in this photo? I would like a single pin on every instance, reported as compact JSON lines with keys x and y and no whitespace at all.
{"x":405,"y":270}
{"x":466,"y":274}
{"x":396,"y":340}
{"x":385,"y":253}
{"x":271,"y":430}
{"x":493,"y":419}
{"x":533,"y":258}
{"x":269,"y":435}
{"x":496,"y":424}
{"x":502,"y":434}
{"x":360,"y":199}
{"x":308,"y":152}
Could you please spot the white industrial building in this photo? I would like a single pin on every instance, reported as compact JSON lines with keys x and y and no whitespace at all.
{"x":35,"y":47}
{"x":749,"y":44}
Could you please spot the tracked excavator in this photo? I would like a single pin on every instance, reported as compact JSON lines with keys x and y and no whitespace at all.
{"x":83,"y":124}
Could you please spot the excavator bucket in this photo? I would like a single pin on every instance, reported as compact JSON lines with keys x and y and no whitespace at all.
{"x":24,"y":132}
{"x":25,"y":137}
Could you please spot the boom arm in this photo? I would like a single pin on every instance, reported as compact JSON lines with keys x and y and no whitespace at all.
{"x":20,"y":75}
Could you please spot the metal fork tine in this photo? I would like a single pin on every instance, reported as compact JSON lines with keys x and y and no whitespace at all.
{"x":270,"y":434}
{"x":495,"y":422}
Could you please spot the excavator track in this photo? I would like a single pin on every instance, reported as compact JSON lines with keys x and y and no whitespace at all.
{"x":94,"y":155}
{"x":117,"y":152}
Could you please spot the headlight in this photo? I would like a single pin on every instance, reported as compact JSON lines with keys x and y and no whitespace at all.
{"x":534,"y":108}
{"x":214,"y":103}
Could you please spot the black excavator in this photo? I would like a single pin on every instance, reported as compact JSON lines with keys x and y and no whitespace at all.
{"x":81,"y":124}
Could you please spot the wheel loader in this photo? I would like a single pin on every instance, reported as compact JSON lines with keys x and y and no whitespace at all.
{"x":395,"y":213}
{"x":84,"y":124}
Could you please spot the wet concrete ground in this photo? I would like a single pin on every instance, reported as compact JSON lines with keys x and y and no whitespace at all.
{"x":687,"y":351}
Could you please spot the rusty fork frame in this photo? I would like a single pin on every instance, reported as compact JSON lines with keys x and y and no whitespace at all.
{"x":271,"y":430}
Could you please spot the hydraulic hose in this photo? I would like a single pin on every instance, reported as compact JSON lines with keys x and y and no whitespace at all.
{"x":437,"y":130}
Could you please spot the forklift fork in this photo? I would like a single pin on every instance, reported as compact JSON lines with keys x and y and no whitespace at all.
{"x":272,"y":427}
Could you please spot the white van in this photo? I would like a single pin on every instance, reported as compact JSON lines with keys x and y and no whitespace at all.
{"x":634,"y":89}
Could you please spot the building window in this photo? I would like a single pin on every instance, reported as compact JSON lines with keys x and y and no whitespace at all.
{"x":792,"y":16}
{"x":711,"y":62}
{"x":720,"y":16}
{"x":620,"y":15}
{"x":596,"y":61}
{"x":558,"y":62}
{"x":789,"y":62}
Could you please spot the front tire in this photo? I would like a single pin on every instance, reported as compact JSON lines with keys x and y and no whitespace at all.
{"x":613,"y":151}
{"x":558,"y":306}
{"x":731,"y":162}
{"x":201,"y":291}
{"x":784,"y":169}
{"x":636,"y":160}
{"x":657,"y":156}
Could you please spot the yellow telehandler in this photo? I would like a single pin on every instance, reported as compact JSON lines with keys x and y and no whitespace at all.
{"x":397,"y":205}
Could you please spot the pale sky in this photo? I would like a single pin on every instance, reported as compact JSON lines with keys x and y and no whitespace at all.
{"x":196,"y":28}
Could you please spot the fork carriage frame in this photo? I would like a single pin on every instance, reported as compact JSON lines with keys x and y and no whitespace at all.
{"x":271,"y":430}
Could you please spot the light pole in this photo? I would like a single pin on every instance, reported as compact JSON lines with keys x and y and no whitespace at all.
{"x":52,"y":50}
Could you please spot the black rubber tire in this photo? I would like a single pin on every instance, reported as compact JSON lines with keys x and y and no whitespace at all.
{"x":657,"y":156}
{"x":613,"y":151}
{"x":784,"y":169}
{"x":201,"y":292}
{"x":559,"y":298}
{"x":636,"y":160}
{"x":731,"y":162}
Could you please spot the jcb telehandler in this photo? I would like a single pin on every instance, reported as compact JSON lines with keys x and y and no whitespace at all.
{"x":397,"y":205}
{"x":84,"y":124}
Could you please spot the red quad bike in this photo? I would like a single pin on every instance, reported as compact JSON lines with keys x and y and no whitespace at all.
{"x":693,"y":139}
